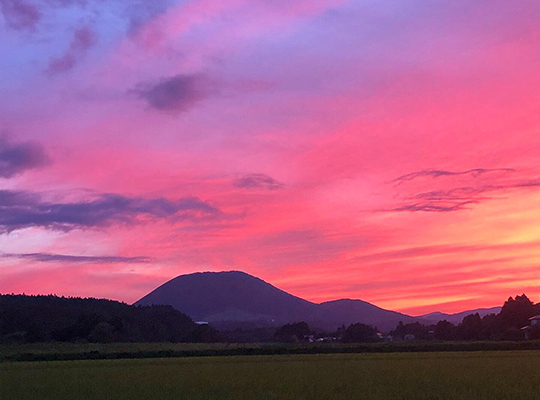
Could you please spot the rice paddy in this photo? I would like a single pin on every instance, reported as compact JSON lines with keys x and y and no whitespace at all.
{"x":398,"y":376}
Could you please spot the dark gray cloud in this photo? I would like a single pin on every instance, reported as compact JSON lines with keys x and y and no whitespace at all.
{"x":83,"y":39}
{"x":258,"y":181}
{"x":461,"y":197}
{"x":15,"y":158}
{"x":174,"y":94}
{"x":56,"y":258}
{"x":20,"y":14}
{"x":20,"y":209}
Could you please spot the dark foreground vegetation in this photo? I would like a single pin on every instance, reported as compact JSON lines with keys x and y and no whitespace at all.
{"x":508,"y":325}
{"x":114,"y":351}
{"x":27,"y":319}
{"x":34,"y":319}
{"x":418,"y":376}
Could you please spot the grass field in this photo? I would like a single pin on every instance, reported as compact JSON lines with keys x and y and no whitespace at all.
{"x":396,"y":376}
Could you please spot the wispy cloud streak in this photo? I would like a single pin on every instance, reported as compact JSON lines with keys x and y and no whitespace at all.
{"x":63,"y":258}
{"x":436,"y":173}
{"x":258,"y":181}
{"x":461,"y":197}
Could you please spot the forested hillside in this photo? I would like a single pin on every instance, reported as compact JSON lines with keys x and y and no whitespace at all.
{"x":51,"y":318}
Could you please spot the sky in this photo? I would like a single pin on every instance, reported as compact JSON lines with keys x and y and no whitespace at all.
{"x":379,"y":150}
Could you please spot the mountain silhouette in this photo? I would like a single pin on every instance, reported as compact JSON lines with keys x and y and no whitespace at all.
{"x":348,"y":311}
{"x":228,"y":296}
{"x":456,"y":318}
{"x":234,"y":298}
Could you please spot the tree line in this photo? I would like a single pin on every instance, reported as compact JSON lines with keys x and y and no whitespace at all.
{"x":70,"y":319}
{"x":65,"y":319}
{"x":507,"y":325}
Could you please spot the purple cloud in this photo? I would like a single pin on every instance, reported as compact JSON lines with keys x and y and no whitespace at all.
{"x":433,"y":207}
{"x":83,"y":39}
{"x":258,"y":181}
{"x":25,"y":15}
{"x":436,"y":173}
{"x":139,"y":12}
{"x":20,"y":15}
{"x":20,"y":209}
{"x":47,"y":257}
{"x":177,"y":93}
{"x":15,"y":158}
{"x":458,"y":198}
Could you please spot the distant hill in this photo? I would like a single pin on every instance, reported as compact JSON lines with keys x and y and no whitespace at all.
{"x":235,"y":298}
{"x":347,"y":311}
{"x":458,"y":317}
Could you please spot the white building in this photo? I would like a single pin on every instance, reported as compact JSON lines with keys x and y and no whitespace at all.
{"x":532,"y":322}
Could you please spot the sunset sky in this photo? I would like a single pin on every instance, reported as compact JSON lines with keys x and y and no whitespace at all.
{"x":381,"y":150}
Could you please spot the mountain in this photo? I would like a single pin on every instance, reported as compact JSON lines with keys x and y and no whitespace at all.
{"x":228,"y":296}
{"x":235,"y":298}
{"x":347,"y":311}
{"x":435,"y":317}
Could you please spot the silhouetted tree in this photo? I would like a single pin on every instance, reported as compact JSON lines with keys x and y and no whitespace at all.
{"x":444,"y":330}
{"x":516,"y":312}
{"x":417,"y":329}
{"x":103,"y":332}
{"x":360,"y":333}
{"x":491,"y":328}
{"x":291,"y":333}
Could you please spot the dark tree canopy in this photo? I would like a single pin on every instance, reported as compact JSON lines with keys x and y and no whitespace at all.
{"x":507,"y":325}
{"x":360,"y":333}
{"x":52,"y":318}
{"x":516,"y":312}
{"x":291,"y":333}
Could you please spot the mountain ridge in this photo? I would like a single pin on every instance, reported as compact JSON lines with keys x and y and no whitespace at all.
{"x":456,"y":318}
{"x":233,"y":298}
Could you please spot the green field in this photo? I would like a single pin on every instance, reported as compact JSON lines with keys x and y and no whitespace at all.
{"x":405,"y":376}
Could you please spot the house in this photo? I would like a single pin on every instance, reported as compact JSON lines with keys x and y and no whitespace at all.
{"x":326,"y":339}
{"x":533,"y":321}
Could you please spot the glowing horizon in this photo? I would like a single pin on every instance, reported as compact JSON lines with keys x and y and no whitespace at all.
{"x":383,"y":151}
